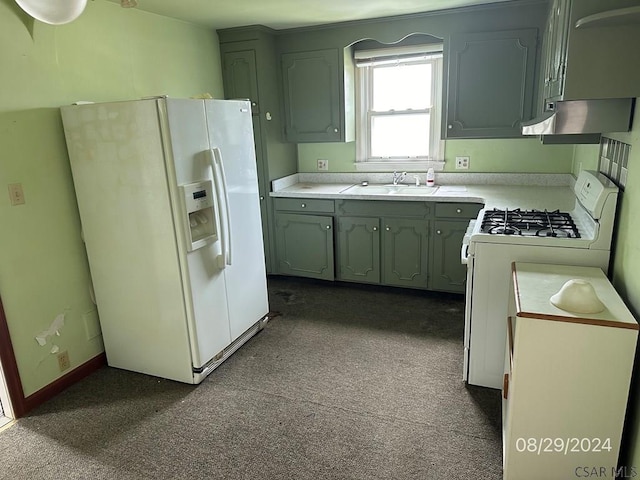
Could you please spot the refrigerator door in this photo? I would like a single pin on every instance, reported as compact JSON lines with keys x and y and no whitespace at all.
{"x":118,"y":167}
{"x":231,"y":139}
{"x":207,"y":304}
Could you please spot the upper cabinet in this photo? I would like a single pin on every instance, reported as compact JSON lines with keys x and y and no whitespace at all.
{"x":491,"y":85}
{"x":318,"y":96}
{"x":555,"y":49}
{"x":240,"y":76}
{"x":588,"y":51}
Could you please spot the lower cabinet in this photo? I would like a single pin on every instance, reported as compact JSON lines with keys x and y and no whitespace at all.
{"x":448,"y":273}
{"x":406,"y":252}
{"x":359,"y":249}
{"x":379,"y":242}
{"x":391,"y":251}
{"x":304,"y":245}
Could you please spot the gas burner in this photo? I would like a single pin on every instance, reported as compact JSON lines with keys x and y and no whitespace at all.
{"x":540,"y":223}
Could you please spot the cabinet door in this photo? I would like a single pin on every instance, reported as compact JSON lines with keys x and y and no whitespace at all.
{"x":240,"y":77}
{"x":312,"y":100}
{"x":359,"y":249}
{"x":304,"y":245}
{"x":491,"y":83}
{"x":448,"y":274}
{"x":556,"y":49}
{"x":406,"y":252}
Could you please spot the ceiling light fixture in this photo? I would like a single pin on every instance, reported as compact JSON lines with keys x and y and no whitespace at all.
{"x":128,"y":3}
{"x":56,"y":12}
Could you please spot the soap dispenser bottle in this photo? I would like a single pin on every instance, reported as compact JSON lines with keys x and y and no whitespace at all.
{"x":431,"y":178}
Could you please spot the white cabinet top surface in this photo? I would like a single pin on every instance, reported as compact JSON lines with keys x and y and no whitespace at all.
{"x":535,"y":284}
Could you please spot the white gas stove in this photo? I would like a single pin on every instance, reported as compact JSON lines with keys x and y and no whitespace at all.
{"x":499,"y":237}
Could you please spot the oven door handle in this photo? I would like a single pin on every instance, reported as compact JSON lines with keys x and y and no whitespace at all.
{"x":464,"y":254}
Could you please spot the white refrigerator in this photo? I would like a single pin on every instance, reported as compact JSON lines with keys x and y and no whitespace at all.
{"x":167,"y":192}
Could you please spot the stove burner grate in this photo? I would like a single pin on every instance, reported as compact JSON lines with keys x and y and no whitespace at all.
{"x":539,"y":223}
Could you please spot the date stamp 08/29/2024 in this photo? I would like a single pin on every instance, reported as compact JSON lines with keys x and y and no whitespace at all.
{"x":570,"y":446}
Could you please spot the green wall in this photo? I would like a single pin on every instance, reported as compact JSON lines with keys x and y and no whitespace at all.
{"x":626,"y":259}
{"x":109,"y":53}
{"x":512,"y":155}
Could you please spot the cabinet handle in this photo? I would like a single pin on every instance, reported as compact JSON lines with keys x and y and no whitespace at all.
{"x":375,"y":229}
{"x":304,"y":205}
{"x":388,"y":228}
{"x":438,"y":232}
{"x":449,"y":126}
{"x":505,"y":386}
{"x":261,"y":197}
{"x":458,"y":210}
{"x":328,"y":227}
{"x":335,"y":130}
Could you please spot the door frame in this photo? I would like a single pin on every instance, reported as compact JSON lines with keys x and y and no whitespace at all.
{"x":10,"y":372}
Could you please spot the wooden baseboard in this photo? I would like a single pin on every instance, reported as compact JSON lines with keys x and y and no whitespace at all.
{"x":38,"y":398}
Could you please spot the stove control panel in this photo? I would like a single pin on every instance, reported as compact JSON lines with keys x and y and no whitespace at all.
{"x":592,"y":189}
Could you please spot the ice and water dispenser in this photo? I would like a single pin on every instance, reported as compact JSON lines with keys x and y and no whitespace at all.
{"x":200,"y":227}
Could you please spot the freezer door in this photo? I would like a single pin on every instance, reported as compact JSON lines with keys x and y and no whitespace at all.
{"x":202,"y":273}
{"x":119,"y":173}
{"x":231,"y":138}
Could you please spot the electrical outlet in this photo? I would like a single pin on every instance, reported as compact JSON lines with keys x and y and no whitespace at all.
{"x":63,"y":361}
{"x":462,"y":163}
{"x":323,"y":164}
{"x":16,"y":194}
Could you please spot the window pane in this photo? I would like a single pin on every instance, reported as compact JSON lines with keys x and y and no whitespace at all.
{"x":400,"y":135}
{"x":401,"y":87}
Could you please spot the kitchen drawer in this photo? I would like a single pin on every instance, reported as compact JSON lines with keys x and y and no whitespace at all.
{"x":304,"y":205}
{"x":458,"y":210}
{"x":382,"y":208}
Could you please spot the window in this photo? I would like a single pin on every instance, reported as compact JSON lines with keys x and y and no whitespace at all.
{"x":398,"y":105}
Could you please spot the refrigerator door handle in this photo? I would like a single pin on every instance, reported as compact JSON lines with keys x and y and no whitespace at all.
{"x":220,"y":180}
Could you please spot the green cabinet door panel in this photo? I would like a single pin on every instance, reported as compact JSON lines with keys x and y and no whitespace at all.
{"x":240,"y":77}
{"x":406,"y":252}
{"x":359,"y":249}
{"x":555,"y":48}
{"x":312,"y":98}
{"x":447,"y":273}
{"x":491,"y":83}
{"x":304,"y":245}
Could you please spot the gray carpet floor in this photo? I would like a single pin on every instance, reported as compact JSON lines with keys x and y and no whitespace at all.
{"x":349,"y":382}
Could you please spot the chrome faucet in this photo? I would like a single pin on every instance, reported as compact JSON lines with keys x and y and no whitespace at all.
{"x":398,"y":177}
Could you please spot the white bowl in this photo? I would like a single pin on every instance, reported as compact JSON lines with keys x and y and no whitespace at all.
{"x":578,"y":296}
{"x":53,"y":12}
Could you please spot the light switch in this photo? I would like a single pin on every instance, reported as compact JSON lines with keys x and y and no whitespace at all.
{"x":16,"y":194}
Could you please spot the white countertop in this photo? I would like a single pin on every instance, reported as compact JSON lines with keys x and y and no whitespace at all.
{"x":492,"y":196}
{"x":537,"y":283}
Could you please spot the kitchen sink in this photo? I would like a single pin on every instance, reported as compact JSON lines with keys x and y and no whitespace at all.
{"x":390,"y":190}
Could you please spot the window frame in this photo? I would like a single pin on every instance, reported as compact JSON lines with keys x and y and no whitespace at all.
{"x":366,"y":61}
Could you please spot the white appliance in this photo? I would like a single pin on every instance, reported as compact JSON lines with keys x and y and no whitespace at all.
{"x":499,"y":237}
{"x":168,"y":197}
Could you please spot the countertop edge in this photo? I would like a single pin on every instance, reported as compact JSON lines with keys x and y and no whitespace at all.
{"x":492,"y":196}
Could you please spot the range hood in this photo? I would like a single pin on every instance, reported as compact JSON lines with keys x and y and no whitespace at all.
{"x":583,"y":117}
